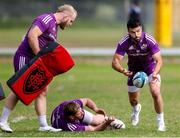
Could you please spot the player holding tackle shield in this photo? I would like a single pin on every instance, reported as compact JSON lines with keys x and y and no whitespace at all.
{"x":42,"y":31}
{"x":32,"y":78}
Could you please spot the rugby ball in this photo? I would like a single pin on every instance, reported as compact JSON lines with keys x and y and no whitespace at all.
{"x":139,"y":79}
{"x":118,"y":124}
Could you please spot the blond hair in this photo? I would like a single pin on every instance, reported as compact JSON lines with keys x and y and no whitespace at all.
{"x":67,"y":8}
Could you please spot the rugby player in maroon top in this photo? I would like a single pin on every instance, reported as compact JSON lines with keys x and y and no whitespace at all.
{"x":143,"y":55}
{"x":71,"y":116}
{"x":43,"y":30}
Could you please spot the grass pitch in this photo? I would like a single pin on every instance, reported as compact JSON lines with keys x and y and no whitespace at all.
{"x":94,"y":78}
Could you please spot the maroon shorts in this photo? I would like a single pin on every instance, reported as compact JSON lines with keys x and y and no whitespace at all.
{"x":20,"y":60}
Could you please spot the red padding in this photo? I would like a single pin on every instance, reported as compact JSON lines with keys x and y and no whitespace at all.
{"x":58,"y":61}
{"x":32,"y":82}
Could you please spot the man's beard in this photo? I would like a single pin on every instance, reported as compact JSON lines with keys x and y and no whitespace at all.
{"x":136,"y":40}
{"x":62,"y":26}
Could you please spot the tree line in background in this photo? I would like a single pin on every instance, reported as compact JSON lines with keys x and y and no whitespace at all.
{"x":105,"y":11}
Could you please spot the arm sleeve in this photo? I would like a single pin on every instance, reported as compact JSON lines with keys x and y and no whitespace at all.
{"x":42,"y":26}
{"x":75,"y":127}
{"x":154,"y":48}
{"x":120,"y":49}
{"x":78,"y":101}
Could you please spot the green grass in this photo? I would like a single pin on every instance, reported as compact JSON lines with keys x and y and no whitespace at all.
{"x":84,"y":37}
{"x":94,"y":78}
{"x":103,"y":36}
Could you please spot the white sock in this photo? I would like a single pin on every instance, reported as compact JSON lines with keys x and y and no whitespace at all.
{"x":42,"y":120}
{"x":160,"y":118}
{"x":5,"y":115}
{"x":135,"y":107}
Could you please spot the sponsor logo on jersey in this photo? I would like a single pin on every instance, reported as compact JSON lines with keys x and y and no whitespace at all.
{"x":137,"y":51}
{"x":144,"y":46}
{"x":131,"y":47}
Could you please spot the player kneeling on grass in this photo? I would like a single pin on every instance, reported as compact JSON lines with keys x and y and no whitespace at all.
{"x":71,"y":116}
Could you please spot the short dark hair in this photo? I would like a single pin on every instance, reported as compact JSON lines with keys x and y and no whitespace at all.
{"x":136,"y":2}
{"x":71,"y":108}
{"x":133,"y":23}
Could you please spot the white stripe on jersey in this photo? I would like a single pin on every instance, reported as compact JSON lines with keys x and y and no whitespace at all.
{"x":21,"y":62}
{"x":42,"y":42}
{"x":124,"y":39}
{"x":72,"y":127}
{"x":57,"y":119}
{"x":150,"y":38}
{"x":57,"y":123}
{"x":47,"y":19}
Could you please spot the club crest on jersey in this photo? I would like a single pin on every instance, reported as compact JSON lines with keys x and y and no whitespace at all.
{"x":144,"y":46}
{"x":35,"y":81}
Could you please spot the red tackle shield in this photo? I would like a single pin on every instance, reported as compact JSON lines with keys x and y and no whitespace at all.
{"x":30,"y":80}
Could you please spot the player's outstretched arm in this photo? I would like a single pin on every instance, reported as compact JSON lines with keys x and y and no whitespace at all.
{"x":116,"y":65}
{"x":92,"y":105}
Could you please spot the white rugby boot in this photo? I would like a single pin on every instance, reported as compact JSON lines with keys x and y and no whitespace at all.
{"x":49,"y":129}
{"x":135,"y":115}
{"x":161,"y":125}
{"x":162,"y":128}
{"x":4,"y":126}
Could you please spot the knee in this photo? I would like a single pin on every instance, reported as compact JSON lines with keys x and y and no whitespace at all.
{"x":155,"y":90}
{"x":98,"y":119}
{"x":44,"y":93}
{"x":156,"y":95}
